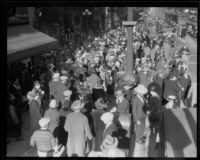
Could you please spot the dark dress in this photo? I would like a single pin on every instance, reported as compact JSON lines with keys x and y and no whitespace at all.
{"x":35,"y":115}
{"x":99,"y":127}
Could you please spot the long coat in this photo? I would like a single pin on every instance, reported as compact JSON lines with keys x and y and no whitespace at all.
{"x":185,"y":82}
{"x":139,"y":115}
{"x":99,"y":127}
{"x":53,"y":114}
{"x":35,"y":115}
{"x":59,"y":94}
{"x":78,"y":130}
{"x":53,"y":85}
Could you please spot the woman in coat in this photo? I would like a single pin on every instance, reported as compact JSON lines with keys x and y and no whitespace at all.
{"x":34,"y":109}
{"x":53,"y":114}
{"x":78,"y":130}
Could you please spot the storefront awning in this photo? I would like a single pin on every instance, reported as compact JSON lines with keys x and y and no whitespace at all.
{"x":24,"y":41}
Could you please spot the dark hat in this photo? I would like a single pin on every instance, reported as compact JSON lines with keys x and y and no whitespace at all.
{"x":36,"y":82}
{"x":173,"y":73}
{"x":99,"y":104}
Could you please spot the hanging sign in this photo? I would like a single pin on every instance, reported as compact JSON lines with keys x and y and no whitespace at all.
{"x":129,"y":23}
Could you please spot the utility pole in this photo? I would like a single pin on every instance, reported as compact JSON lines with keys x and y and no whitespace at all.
{"x":129,"y":54}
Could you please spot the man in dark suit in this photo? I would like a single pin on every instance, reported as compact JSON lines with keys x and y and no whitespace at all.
{"x":139,"y":115}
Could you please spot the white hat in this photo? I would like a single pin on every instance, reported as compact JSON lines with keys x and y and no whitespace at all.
{"x":143,"y":59}
{"x":171,"y":97}
{"x":44,"y":121}
{"x":67,"y":93}
{"x":62,"y":78}
{"x":117,"y":63}
{"x":69,"y":61}
{"x":56,"y":75}
{"x":107,"y":117}
{"x":53,"y":104}
{"x":141,"y":89}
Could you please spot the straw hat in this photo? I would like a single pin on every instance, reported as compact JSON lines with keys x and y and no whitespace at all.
{"x":67,"y":93}
{"x":99,"y":104}
{"x":77,"y":105}
{"x":107,"y":117}
{"x":44,"y":121}
{"x":56,"y":76}
{"x":69,"y":61}
{"x":110,"y":142}
{"x":62,"y":78}
{"x":141,"y":89}
{"x":171,"y":97}
{"x":53,"y":104}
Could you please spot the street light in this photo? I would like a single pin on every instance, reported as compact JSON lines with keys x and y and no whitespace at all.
{"x":87,"y":13}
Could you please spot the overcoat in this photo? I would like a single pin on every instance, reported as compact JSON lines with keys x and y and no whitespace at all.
{"x":35,"y":115}
{"x":99,"y":127}
{"x":78,"y":130}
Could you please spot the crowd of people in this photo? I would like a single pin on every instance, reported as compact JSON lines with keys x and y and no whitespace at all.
{"x":76,"y":100}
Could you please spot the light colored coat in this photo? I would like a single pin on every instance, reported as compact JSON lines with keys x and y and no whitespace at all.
{"x":78,"y":130}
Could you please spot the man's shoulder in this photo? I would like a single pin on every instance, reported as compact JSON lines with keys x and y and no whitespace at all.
{"x":42,"y":132}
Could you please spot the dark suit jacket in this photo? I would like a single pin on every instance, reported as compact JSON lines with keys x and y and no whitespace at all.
{"x":137,"y":109}
{"x":111,"y":130}
{"x":171,"y":88}
{"x":99,"y":127}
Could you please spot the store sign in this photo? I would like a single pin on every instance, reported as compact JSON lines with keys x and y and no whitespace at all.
{"x":129,"y":23}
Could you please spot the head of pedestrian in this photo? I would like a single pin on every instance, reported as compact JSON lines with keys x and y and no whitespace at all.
{"x":67,"y":94}
{"x":171,"y":101}
{"x":37,"y":85}
{"x":77,"y":105}
{"x":107,"y":117}
{"x":44,"y":122}
{"x":63,"y":79}
{"x":56,"y":76}
{"x":100,"y":104}
{"x":53,"y":104}
{"x":140,"y":90}
{"x":32,"y":96}
{"x":119,"y":93}
{"x":173,"y":75}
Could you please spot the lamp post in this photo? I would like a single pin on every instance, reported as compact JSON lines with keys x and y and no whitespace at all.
{"x":87,"y":14}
